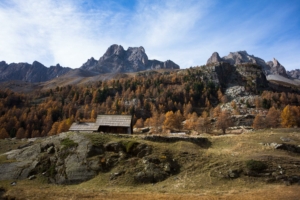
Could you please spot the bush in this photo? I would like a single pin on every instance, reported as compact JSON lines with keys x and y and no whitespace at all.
{"x":256,"y":165}
{"x":99,"y":139}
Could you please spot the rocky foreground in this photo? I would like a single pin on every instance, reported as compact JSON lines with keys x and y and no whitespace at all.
{"x":91,"y":163}
{"x":70,"y":158}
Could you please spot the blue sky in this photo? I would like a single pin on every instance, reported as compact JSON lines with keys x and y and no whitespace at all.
{"x":185,"y":31}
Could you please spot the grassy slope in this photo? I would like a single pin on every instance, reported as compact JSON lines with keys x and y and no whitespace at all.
{"x":200,"y":176}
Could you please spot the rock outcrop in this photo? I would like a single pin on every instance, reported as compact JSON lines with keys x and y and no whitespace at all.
{"x":35,"y":72}
{"x":71,"y":158}
{"x":134,"y":59}
{"x":241,"y":57}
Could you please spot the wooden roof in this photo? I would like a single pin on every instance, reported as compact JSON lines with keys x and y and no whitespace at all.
{"x":114,"y":120}
{"x":83,"y":127}
{"x":103,"y":120}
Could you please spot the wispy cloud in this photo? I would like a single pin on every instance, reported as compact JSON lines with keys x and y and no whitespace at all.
{"x":188,"y":32}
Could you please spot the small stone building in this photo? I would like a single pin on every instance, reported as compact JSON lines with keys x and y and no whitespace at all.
{"x":107,"y":124}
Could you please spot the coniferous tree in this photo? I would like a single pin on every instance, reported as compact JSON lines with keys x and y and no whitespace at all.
{"x":273,"y":118}
{"x":288,"y":118}
{"x":224,"y":121}
{"x":3,"y":134}
{"x":259,"y":122}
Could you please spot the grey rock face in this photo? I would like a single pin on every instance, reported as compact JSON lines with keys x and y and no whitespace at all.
{"x":116,"y":59}
{"x":242,"y":57}
{"x":214,"y":58}
{"x":277,"y":68}
{"x":295,"y":74}
{"x":90,"y":62}
{"x":72,"y":164}
{"x":36,"y":72}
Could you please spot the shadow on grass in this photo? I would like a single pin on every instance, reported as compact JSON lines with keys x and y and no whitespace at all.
{"x":201,"y":142}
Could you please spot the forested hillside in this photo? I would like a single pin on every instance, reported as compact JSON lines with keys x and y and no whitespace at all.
{"x":160,"y":99}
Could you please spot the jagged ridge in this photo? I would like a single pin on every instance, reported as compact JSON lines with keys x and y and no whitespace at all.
{"x":34,"y":73}
{"x":134,"y":59}
{"x":239,"y":57}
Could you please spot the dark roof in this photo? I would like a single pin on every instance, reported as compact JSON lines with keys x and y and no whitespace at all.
{"x":83,"y":127}
{"x":114,"y":120}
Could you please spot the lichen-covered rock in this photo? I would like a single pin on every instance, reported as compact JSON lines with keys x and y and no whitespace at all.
{"x":71,"y":158}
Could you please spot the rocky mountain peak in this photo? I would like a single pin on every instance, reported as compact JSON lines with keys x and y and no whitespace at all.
{"x":214,"y":58}
{"x":37,"y":64}
{"x":114,"y":50}
{"x":89,"y":63}
{"x":294,"y":73}
{"x":276,"y":62}
{"x":240,"y":57}
{"x":35,"y":72}
{"x":277,"y":68}
{"x":116,"y":59}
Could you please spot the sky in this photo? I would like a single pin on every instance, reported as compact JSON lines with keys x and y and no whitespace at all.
{"x":187,"y":32}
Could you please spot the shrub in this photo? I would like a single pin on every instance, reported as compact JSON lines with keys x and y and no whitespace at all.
{"x":129,"y":145}
{"x":68,"y":143}
{"x":256,"y":165}
{"x":99,"y":139}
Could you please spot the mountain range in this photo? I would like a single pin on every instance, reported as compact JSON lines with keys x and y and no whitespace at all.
{"x":35,"y":72}
{"x":134,"y":59}
{"x":117,"y":60}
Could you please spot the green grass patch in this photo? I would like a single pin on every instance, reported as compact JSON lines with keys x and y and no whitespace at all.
{"x":99,"y":139}
{"x":67,"y":143}
{"x":52,"y":170}
{"x":129,"y":144}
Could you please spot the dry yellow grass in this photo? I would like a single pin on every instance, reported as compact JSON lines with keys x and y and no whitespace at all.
{"x":28,"y":191}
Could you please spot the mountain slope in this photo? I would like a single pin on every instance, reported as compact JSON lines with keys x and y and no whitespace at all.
{"x":134,"y":59}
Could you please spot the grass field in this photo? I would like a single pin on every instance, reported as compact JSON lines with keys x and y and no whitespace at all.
{"x":201,"y":174}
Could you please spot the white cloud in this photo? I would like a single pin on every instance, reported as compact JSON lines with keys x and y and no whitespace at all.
{"x":188,"y":32}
